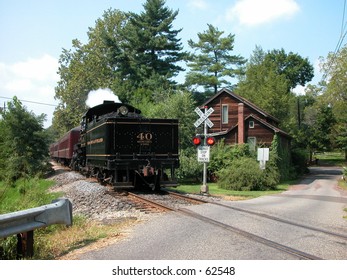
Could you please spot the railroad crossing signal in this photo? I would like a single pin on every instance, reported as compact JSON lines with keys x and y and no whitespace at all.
{"x":204,"y":117}
{"x":209,"y":141}
{"x":204,"y":150}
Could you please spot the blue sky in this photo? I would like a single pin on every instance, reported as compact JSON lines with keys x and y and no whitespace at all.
{"x":33,"y":33}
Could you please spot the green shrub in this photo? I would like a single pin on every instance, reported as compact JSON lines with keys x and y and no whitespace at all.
{"x":190,"y":168}
{"x":270,"y":176}
{"x":222,"y":155}
{"x":244,"y":174}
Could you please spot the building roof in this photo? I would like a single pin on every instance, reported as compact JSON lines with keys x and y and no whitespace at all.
{"x":242,"y":100}
{"x":270,"y":126}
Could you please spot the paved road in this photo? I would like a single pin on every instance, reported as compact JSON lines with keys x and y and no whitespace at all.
{"x":316,"y":202}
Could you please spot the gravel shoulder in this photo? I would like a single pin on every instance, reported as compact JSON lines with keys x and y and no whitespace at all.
{"x":91,"y":200}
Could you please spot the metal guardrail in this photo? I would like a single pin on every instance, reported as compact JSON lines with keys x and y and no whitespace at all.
{"x":25,"y":221}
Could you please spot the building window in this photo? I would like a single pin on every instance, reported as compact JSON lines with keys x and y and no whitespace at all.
{"x":252,"y":142}
{"x":251,"y":124}
{"x":225,"y":114}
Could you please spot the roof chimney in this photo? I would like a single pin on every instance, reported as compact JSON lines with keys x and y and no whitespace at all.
{"x":240,"y":124}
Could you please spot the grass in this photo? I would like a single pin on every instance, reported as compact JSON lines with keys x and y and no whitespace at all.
{"x":56,"y":240}
{"x":25,"y":194}
{"x":343,"y":185}
{"x":214,"y":190}
{"x":331,"y":158}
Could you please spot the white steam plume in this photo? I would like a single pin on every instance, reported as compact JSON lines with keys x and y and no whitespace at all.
{"x":97,"y":97}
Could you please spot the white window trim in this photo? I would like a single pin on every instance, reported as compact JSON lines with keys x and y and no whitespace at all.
{"x":227,"y":114}
{"x":251,"y":124}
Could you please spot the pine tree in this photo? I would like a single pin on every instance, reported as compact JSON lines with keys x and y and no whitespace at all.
{"x":212,"y":62}
{"x":153,"y":43}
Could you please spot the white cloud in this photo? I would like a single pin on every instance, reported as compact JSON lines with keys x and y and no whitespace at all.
{"x":31,"y":80}
{"x":197,"y":4}
{"x":256,"y":12}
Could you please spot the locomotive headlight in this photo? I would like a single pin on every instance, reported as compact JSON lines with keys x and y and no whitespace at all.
{"x":123,"y":110}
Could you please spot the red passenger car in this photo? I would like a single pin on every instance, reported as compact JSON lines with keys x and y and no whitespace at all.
{"x":62,"y":151}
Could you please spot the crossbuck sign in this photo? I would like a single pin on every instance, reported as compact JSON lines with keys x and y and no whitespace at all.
{"x":204,"y":117}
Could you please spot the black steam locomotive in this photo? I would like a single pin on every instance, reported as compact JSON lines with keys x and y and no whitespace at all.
{"x":119,"y":146}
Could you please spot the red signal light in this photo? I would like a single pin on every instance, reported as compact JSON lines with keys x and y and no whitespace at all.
{"x":197,"y":140}
{"x":210,"y":141}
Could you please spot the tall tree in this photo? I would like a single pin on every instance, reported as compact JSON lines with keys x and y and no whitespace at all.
{"x":212,"y":63}
{"x":153,"y":44}
{"x":263,"y":86}
{"x":269,"y":78}
{"x":335,"y":93}
{"x":296,"y":69}
{"x":317,"y":127}
{"x":88,"y":67}
{"x":23,"y":142}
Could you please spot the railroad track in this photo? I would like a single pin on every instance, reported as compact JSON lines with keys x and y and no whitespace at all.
{"x":150,"y":204}
{"x":284,"y":221}
{"x":155,"y":203}
{"x":162,"y":201}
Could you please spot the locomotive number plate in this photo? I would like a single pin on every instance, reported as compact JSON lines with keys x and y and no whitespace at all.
{"x":144,"y":138}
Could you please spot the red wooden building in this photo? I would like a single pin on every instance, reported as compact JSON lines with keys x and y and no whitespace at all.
{"x":237,"y":121}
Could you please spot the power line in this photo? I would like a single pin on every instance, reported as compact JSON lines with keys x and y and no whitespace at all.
{"x":340,"y":41}
{"x":28,"y":101}
{"x":343,"y":26}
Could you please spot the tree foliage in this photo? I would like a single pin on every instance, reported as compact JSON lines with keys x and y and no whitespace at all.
{"x":153,"y":43}
{"x":177,"y":105}
{"x":212,"y":64}
{"x":84,"y":68}
{"x":269,"y":78}
{"x":335,"y":94}
{"x":296,"y":69}
{"x":23,"y":142}
{"x":126,"y":52}
{"x":265,"y":87}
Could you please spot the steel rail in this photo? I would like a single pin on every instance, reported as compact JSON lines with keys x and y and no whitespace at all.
{"x":152,"y":202}
{"x":270,"y":217}
{"x":251,"y":236}
{"x":335,"y":234}
{"x":248,"y":235}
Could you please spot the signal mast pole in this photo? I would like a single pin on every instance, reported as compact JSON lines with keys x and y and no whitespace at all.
{"x":204,"y":187}
{"x":204,"y":146}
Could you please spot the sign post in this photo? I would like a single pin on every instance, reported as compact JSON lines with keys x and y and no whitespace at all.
{"x":204,"y":150}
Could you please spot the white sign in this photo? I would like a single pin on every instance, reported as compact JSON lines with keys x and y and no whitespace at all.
{"x":263,"y":156}
{"x":203,"y":153}
{"x":203,"y":117}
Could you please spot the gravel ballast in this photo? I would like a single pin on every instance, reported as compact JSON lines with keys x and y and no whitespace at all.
{"x":91,"y":199}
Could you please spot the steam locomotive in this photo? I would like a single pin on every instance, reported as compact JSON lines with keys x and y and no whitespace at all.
{"x":119,"y":146}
